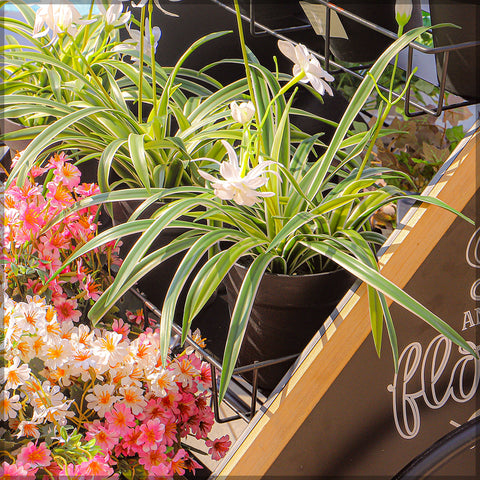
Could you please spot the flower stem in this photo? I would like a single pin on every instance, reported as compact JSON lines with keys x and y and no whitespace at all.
{"x":140,"y":85}
{"x":245,"y":60}
{"x":152,"y":56}
{"x":378,"y":127}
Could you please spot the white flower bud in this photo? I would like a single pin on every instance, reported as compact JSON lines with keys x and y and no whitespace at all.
{"x":403,"y":11}
{"x":242,"y":113}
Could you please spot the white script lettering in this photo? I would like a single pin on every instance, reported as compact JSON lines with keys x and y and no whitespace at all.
{"x":430,"y":373}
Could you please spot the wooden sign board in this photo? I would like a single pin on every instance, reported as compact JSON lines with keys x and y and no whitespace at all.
{"x":342,"y":412}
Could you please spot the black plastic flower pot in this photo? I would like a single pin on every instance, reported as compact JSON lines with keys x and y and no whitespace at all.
{"x":287,"y":312}
{"x":365,"y":45}
{"x":463,"y":67}
{"x":9,"y":126}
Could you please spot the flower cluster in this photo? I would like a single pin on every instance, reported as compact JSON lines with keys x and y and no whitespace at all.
{"x":76,"y":401}
{"x":31,"y":253}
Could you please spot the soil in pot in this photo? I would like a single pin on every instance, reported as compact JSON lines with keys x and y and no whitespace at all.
{"x":287,"y":312}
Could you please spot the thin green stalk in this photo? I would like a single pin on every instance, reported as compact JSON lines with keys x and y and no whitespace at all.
{"x":380,"y":122}
{"x":140,"y":85}
{"x":152,"y":56}
{"x":400,"y":32}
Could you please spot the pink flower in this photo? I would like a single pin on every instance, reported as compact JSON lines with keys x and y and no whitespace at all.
{"x":13,"y":471}
{"x":87,"y":189}
{"x":135,"y":317}
{"x":66,"y":308}
{"x":121,"y":327}
{"x":152,"y":434}
{"x":68,"y":174}
{"x":31,"y":218}
{"x":120,"y":419}
{"x":155,"y":458}
{"x":219,"y":447}
{"x":129,"y":445}
{"x":104,"y":438}
{"x":191,"y":464}
{"x":97,"y":466}
{"x":36,"y":456}
{"x":59,"y":195}
{"x":178,"y":463}
{"x":91,"y":288}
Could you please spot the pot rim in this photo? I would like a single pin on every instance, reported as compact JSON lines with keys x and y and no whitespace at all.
{"x":304,"y":275}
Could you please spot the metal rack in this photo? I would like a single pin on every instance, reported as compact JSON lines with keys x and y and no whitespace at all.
{"x":241,"y":397}
{"x":259,"y":29}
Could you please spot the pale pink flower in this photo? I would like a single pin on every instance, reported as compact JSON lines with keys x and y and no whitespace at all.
{"x":219,"y":447}
{"x":151,"y":434}
{"x":97,"y":467}
{"x":68,"y":174}
{"x":105,"y":438}
{"x":110,"y":349}
{"x":184,"y":371}
{"x":133,"y":397}
{"x":120,"y":419}
{"x":36,"y":456}
{"x":101,"y":399}
{"x":154,"y":458}
{"x":13,"y":471}
{"x":162,"y":382}
{"x":15,"y":374}
{"x":56,"y":352}
{"x":9,"y":406}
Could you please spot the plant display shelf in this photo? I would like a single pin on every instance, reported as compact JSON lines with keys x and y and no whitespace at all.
{"x":242,"y":398}
{"x":257,"y":28}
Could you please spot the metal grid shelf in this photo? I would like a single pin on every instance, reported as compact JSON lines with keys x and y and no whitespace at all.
{"x":241,"y":397}
{"x":257,"y":28}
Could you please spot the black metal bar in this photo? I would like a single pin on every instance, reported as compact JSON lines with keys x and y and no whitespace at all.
{"x":256,"y":33}
{"x":266,"y":363}
{"x":327,"y":41}
{"x":341,"y":68}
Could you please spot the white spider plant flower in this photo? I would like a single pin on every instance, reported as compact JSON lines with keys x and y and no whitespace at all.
{"x":134,"y":41}
{"x":243,"y":112}
{"x":114,"y":15}
{"x":403,"y":11}
{"x":142,"y":3}
{"x":242,"y":190}
{"x":57,"y":17}
{"x":306,"y":62}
